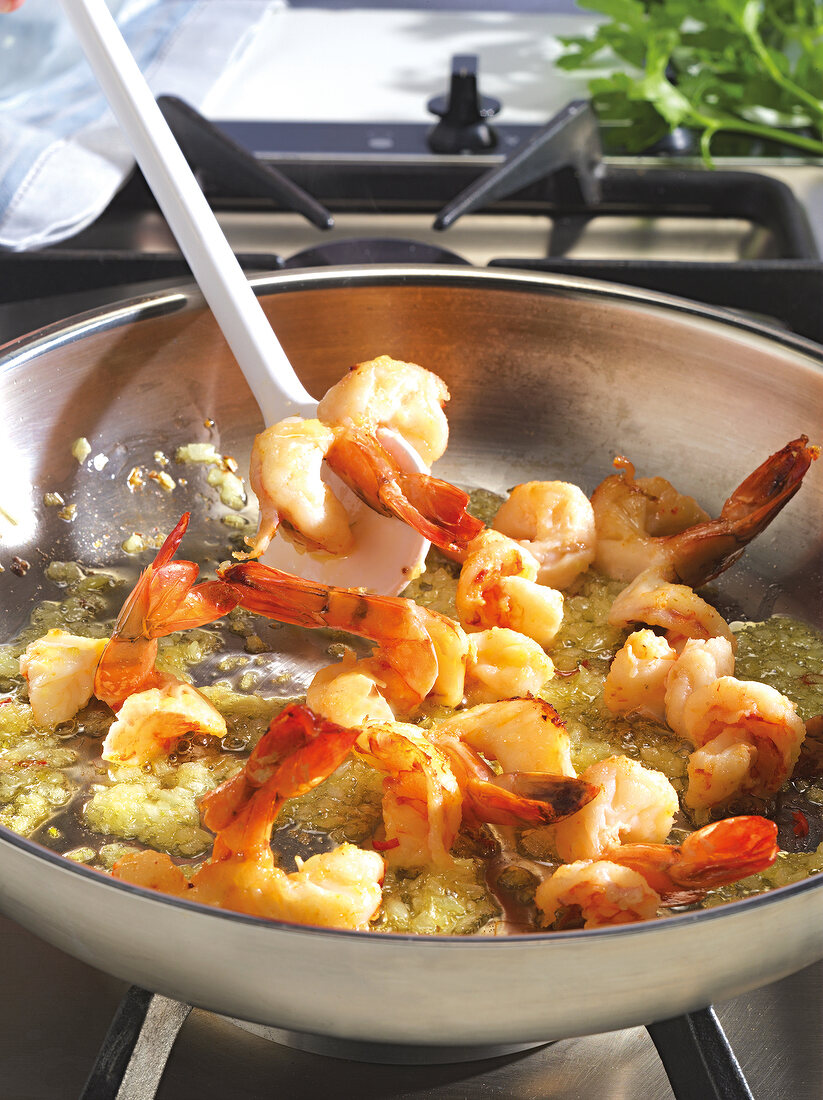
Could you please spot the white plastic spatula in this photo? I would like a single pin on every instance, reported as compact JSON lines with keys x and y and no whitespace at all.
{"x":387,"y":552}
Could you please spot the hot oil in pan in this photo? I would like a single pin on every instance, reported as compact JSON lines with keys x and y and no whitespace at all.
{"x":256,"y":660}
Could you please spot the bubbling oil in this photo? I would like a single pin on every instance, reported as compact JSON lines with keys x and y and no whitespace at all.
{"x":55,"y":788}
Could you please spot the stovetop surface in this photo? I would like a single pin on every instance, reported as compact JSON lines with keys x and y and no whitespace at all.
{"x":55,"y":1010}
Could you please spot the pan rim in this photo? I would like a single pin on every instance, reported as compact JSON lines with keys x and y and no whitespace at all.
{"x":623,"y":931}
{"x":186,"y":296}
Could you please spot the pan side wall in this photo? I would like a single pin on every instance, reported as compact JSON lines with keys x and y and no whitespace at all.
{"x":377,"y":989}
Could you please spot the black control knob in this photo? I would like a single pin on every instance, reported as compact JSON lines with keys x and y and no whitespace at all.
{"x":463,"y":112}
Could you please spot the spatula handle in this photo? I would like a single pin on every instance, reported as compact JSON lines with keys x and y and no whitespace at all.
{"x":221,"y":279}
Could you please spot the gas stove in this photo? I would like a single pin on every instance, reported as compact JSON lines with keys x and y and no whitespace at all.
{"x":484,"y":168}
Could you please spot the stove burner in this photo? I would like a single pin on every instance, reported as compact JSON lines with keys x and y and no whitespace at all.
{"x":384,"y":1054}
{"x":373,"y":250}
{"x":693,"y":1048}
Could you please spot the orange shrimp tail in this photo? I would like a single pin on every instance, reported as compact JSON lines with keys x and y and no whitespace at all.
{"x":710,"y":548}
{"x":202,"y":604}
{"x":764,"y":492}
{"x":433,"y":508}
{"x":127,"y":662}
{"x":220,"y":807}
{"x":126,"y":666}
{"x":715,"y":855}
{"x":441,"y":508}
{"x":528,"y":798}
{"x":165,"y":599}
{"x":299,"y":750}
{"x":726,"y":851}
{"x":171,"y":543}
{"x":131,"y":620}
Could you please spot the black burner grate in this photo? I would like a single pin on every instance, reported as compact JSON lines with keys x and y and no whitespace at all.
{"x":555,"y":175}
{"x":693,"y":1048}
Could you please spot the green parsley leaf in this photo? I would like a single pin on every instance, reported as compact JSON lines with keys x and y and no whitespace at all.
{"x":749,"y":67}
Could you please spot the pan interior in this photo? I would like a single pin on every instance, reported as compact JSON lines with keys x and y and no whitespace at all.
{"x":547,"y":381}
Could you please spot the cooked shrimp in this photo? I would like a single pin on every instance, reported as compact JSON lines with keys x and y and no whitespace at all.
{"x":701,"y":662}
{"x":505,"y":665}
{"x":387,"y":393}
{"x":636,"y":681}
{"x":60,"y":668}
{"x":530,"y":743}
{"x":631,"y":882}
{"x":602,"y":893}
{"x":635,"y":519}
{"x":349,"y":693}
{"x":434,"y":508}
{"x":523,"y":735}
{"x":720,"y":853}
{"x":286,"y":462}
{"x":339,"y":889}
{"x":653,"y":600}
{"x":498,"y":587}
{"x":150,"y":723}
{"x":635,"y":803}
{"x":286,"y":474}
{"x":435,"y":779}
{"x":422,"y":803}
{"x":761,"y":739}
{"x":554,"y":520}
{"x":644,"y":523}
{"x":164,"y":600}
{"x":421,"y":654}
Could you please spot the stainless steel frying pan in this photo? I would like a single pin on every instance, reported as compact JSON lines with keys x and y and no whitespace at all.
{"x":549,"y":377}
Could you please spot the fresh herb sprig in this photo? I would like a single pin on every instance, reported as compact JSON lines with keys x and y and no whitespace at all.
{"x":751,"y":67}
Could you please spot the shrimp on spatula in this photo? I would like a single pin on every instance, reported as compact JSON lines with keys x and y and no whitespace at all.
{"x":368,"y":425}
{"x":287,"y":473}
{"x":337,"y":889}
